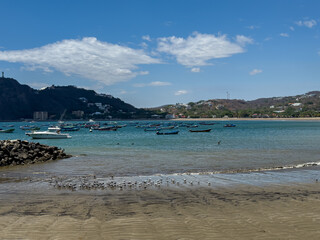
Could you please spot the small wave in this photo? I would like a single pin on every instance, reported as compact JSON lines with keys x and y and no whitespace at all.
{"x":301,"y":165}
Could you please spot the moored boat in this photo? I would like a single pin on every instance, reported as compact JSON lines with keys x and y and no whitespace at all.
{"x":230,"y":125}
{"x":106,"y":129}
{"x":29,"y":127}
{"x":51,"y":133}
{"x":204,"y":130}
{"x":69,"y":128}
{"x":7,"y":130}
{"x":167,"y":133}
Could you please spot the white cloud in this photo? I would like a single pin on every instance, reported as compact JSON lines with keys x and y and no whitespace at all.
{"x":195,"y":70}
{"x":122,"y":92}
{"x":252,"y":27}
{"x":144,"y":45}
{"x":180,"y":92}
{"x":152,"y":84}
{"x":307,"y":23}
{"x":243,"y":40}
{"x":284,"y":34}
{"x":198,"y":48}
{"x":255,"y":71}
{"x":38,"y":85}
{"x":291,"y":28}
{"x":158,"y":84}
{"x":89,"y":58}
{"x":144,"y":73}
{"x":146,"y":38}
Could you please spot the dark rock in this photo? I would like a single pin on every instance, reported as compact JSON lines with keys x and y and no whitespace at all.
{"x":17,"y":152}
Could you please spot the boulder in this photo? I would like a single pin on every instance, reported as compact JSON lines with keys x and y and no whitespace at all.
{"x":17,"y":152}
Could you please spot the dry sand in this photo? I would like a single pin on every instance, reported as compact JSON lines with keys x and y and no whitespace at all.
{"x":278,"y":212}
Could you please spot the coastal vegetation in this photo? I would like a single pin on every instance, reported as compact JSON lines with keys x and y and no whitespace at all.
{"x":305,"y":105}
{"x":21,"y":102}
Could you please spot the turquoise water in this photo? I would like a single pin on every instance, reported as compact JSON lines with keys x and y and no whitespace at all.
{"x":130,"y":151}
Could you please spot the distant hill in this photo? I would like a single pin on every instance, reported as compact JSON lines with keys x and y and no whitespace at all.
{"x":19,"y":101}
{"x":304,"y":105}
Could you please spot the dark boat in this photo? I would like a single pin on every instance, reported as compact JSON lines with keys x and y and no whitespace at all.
{"x":7,"y":130}
{"x":106,"y":129}
{"x":205,"y":130}
{"x":167,"y":133}
{"x":230,"y":125}
{"x":69,"y":128}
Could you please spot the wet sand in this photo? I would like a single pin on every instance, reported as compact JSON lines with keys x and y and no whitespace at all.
{"x":242,"y":212}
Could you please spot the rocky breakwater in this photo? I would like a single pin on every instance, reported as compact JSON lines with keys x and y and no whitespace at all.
{"x":17,"y":152}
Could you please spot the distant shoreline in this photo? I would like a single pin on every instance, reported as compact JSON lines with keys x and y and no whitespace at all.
{"x":247,"y":119}
{"x":178,"y":119}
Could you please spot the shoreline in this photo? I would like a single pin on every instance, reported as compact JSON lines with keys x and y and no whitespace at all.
{"x":316,"y":119}
{"x":176,"y":119}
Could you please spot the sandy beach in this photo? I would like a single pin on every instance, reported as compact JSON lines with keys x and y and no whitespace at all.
{"x":274,"y":212}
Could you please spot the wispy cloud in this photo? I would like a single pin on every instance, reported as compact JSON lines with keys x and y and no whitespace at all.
{"x":255,"y":71}
{"x":284,"y":34}
{"x":146,"y":38}
{"x":180,"y":92}
{"x":195,"y":70}
{"x":152,"y":84}
{"x":307,"y":23}
{"x":158,"y":84}
{"x":198,"y":49}
{"x":88,"y":58}
{"x":38,"y":85}
{"x":252,"y":27}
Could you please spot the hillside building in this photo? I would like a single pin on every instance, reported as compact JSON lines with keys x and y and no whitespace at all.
{"x":40,"y":116}
{"x":78,"y":114}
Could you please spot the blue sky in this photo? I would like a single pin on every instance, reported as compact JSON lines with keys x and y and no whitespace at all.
{"x":151,"y":53}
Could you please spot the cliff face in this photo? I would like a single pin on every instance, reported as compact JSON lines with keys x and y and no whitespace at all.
{"x":20,"y":101}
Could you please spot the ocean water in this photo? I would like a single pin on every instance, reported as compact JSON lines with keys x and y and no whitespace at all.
{"x":251,"y":146}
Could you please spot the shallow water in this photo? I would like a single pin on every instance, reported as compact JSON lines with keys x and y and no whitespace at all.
{"x":130,"y":151}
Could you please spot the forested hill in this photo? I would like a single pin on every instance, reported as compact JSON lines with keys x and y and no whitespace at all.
{"x":304,"y":105}
{"x":19,"y":102}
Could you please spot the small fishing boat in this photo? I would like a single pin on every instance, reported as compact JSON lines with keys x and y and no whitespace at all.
{"x":204,"y":130}
{"x":7,"y":130}
{"x":167,"y":128}
{"x":69,"y":128}
{"x":192,"y":126}
{"x":29,"y":128}
{"x":230,"y":125}
{"x":106,"y":129}
{"x":167,"y":133}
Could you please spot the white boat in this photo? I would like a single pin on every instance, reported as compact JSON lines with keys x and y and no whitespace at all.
{"x":51,"y":133}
